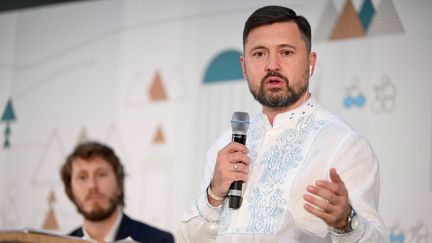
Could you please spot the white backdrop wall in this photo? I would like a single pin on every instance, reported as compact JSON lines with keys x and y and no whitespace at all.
{"x":132,"y":74}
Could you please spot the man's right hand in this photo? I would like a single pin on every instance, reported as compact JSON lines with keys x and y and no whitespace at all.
{"x":232,"y":164}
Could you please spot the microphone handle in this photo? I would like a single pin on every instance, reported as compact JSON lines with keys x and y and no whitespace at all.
{"x":239,"y":138}
{"x":235,"y":191}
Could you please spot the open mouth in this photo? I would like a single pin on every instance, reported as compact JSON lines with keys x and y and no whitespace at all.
{"x":273,"y":82}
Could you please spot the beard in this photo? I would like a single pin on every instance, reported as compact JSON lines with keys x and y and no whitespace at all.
{"x":98,"y":213}
{"x":275,"y":97}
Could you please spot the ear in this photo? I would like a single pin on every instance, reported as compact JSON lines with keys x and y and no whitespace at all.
{"x":243,"y":66}
{"x":312,"y":61}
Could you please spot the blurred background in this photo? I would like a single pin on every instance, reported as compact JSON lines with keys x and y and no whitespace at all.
{"x":159,"y":80}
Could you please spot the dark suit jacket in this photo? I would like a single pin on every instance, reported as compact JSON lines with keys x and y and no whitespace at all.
{"x":137,"y":231}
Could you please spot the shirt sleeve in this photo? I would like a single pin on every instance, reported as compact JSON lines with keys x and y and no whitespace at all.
{"x":200,"y":223}
{"x":358,"y":167}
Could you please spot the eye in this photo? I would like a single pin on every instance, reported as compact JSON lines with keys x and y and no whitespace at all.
{"x":258,"y":54}
{"x":102,"y":174}
{"x":287,"y":52}
{"x":81,"y":177}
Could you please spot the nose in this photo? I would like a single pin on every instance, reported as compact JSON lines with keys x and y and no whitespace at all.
{"x":273,"y":63}
{"x":92,"y":182}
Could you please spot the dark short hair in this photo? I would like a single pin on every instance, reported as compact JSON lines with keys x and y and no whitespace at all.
{"x":89,"y":150}
{"x":277,"y":14}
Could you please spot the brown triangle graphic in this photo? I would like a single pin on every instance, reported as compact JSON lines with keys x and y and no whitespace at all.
{"x":157,"y":91}
{"x":348,"y":24}
{"x":51,"y":198}
{"x":50,"y":221}
{"x":159,"y":136}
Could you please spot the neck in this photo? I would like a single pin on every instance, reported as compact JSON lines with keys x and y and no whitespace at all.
{"x":98,"y":230}
{"x":272,"y":112}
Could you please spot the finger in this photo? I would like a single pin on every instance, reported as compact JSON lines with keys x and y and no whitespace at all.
{"x":238,"y":157}
{"x":329,"y":186}
{"x":220,"y":185}
{"x":334,"y":176}
{"x":321,"y":204}
{"x":237,"y":175}
{"x":328,"y":218}
{"x":235,"y":147}
{"x":236,"y":171}
{"x":239,"y":168}
{"x":240,"y":177}
{"x":317,"y":212}
{"x":324,"y":193}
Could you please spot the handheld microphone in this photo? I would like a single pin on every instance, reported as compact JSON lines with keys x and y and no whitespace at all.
{"x":239,"y":125}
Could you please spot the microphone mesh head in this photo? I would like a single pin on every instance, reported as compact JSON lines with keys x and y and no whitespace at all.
{"x":240,"y":122}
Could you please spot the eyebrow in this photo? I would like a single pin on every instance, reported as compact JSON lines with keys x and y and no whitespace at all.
{"x":288,"y":45}
{"x":279,"y":46}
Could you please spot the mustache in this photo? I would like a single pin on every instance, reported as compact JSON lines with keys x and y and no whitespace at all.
{"x":274,"y":74}
{"x":94,"y":193}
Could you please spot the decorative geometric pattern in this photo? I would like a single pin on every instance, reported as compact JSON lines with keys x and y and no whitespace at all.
{"x":159,"y":136}
{"x":53,"y":155}
{"x":328,"y":21}
{"x":9,"y":213}
{"x":157,"y":90}
{"x":366,"y":13}
{"x":83,"y":137}
{"x":416,"y":233}
{"x":8,"y":117}
{"x":348,"y":24}
{"x":385,"y":96}
{"x":50,"y":222}
{"x":352,"y":24}
{"x":354,"y":96}
{"x":224,"y":67}
{"x":385,"y":21}
{"x":113,"y":138}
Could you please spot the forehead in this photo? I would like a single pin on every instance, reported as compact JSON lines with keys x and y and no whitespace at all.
{"x":90,"y":164}
{"x":275,"y":34}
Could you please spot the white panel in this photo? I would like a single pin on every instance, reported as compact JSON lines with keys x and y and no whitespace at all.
{"x":89,"y":66}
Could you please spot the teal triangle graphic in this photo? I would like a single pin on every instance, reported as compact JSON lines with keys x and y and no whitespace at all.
{"x":366,"y":14}
{"x":6,"y":143}
{"x":7,"y":131}
{"x":8,"y":114}
{"x":224,"y":67}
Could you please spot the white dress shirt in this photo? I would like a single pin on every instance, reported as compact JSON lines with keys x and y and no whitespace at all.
{"x":300,"y":148}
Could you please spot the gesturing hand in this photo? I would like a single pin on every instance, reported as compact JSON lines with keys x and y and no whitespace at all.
{"x":329,"y":201}
{"x":232,"y":164}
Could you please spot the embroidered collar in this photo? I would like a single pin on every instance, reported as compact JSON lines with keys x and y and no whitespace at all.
{"x":291,"y":117}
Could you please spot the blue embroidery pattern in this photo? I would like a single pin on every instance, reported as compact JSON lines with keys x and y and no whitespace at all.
{"x":256,"y":130}
{"x":267,"y":204}
{"x":255,"y":133}
{"x":225,"y":219}
{"x":265,"y":209}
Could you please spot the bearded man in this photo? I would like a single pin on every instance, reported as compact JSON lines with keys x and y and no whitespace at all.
{"x":93,"y":177}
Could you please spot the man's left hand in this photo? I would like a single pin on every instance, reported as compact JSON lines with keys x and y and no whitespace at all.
{"x":329,"y":201}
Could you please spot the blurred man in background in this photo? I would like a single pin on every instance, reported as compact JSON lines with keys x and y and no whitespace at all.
{"x":93,"y":177}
